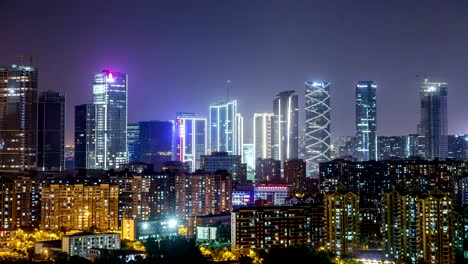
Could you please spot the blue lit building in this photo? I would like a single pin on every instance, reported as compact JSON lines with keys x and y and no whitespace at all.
{"x":366,"y":121}
{"x":223,"y":127}
{"x":190,"y":139}
{"x":133,"y":142}
{"x":156,"y":142}
{"x":110,"y":98}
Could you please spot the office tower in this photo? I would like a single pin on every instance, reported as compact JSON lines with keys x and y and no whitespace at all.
{"x":222,"y":161}
{"x":86,"y":206}
{"x":268,"y":170}
{"x":223,"y":127}
{"x":240,"y":134}
{"x":391,"y":147}
{"x":285,"y":127}
{"x":295,"y":174}
{"x":156,"y":142}
{"x":317,"y":134}
{"x":418,"y":227}
{"x":345,"y":147}
{"x":366,"y":121}
{"x":51,"y":131}
{"x":69,"y":155}
{"x":262,"y":135}
{"x":203,"y":194}
{"x":18,"y":118}
{"x":341,"y":222}
{"x":133,"y":142}
{"x":433,"y":124}
{"x":248,"y":157}
{"x":85,"y":136}
{"x":411,"y":145}
{"x":457,"y":146}
{"x":110,"y":98}
{"x":190,"y":139}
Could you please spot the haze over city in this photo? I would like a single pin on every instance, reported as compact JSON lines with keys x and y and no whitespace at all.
{"x":179,"y":54}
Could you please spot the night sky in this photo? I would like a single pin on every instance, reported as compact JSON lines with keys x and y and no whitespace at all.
{"x":179,"y":54}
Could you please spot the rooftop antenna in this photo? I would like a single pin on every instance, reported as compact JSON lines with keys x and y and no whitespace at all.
{"x":228,"y":87}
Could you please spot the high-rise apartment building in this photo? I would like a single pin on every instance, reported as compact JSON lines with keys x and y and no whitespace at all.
{"x":318,"y":133}
{"x":191,"y":139}
{"x":51,"y":131}
{"x":295,"y":174}
{"x":267,"y":170}
{"x":341,"y":222}
{"x":18,"y":118}
{"x":156,"y":142}
{"x":85,"y":136}
{"x":110,"y":98}
{"x":262,"y":135}
{"x":80,"y":207}
{"x":419,"y":227}
{"x":285,"y":126}
{"x":203,"y":194}
{"x":223,"y":127}
{"x":133,"y":142}
{"x":433,"y":123}
{"x":366,"y":121}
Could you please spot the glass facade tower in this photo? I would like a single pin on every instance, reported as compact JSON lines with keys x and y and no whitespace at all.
{"x":285,"y":126}
{"x":262,"y":135}
{"x":190,"y":139}
{"x":18,"y":118}
{"x":223,"y":127}
{"x":85,"y":136}
{"x":433,"y":125}
{"x":317,"y":134}
{"x":51,"y":131}
{"x":366,"y":121}
{"x":110,"y":98}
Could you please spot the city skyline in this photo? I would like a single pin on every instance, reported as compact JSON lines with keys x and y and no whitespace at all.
{"x":247,"y":60}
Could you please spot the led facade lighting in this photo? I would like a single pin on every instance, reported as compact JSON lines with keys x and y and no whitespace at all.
{"x":366,"y":121}
{"x":317,"y":134}
{"x":110,"y":98}
{"x":223,"y":127}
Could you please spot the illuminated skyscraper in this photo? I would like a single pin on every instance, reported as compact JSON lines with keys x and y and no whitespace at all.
{"x":190,"y":139}
{"x":240,"y":134}
{"x":133,"y":142}
{"x":51,"y":131}
{"x":262,"y":135}
{"x":110,"y":98}
{"x":285,"y":127}
{"x":366,"y":121}
{"x":85,"y":136}
{"x":18,"y":118}
{"x":433,"y":124}
{"x":317,"y":135}
{"x":223,"y":127}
